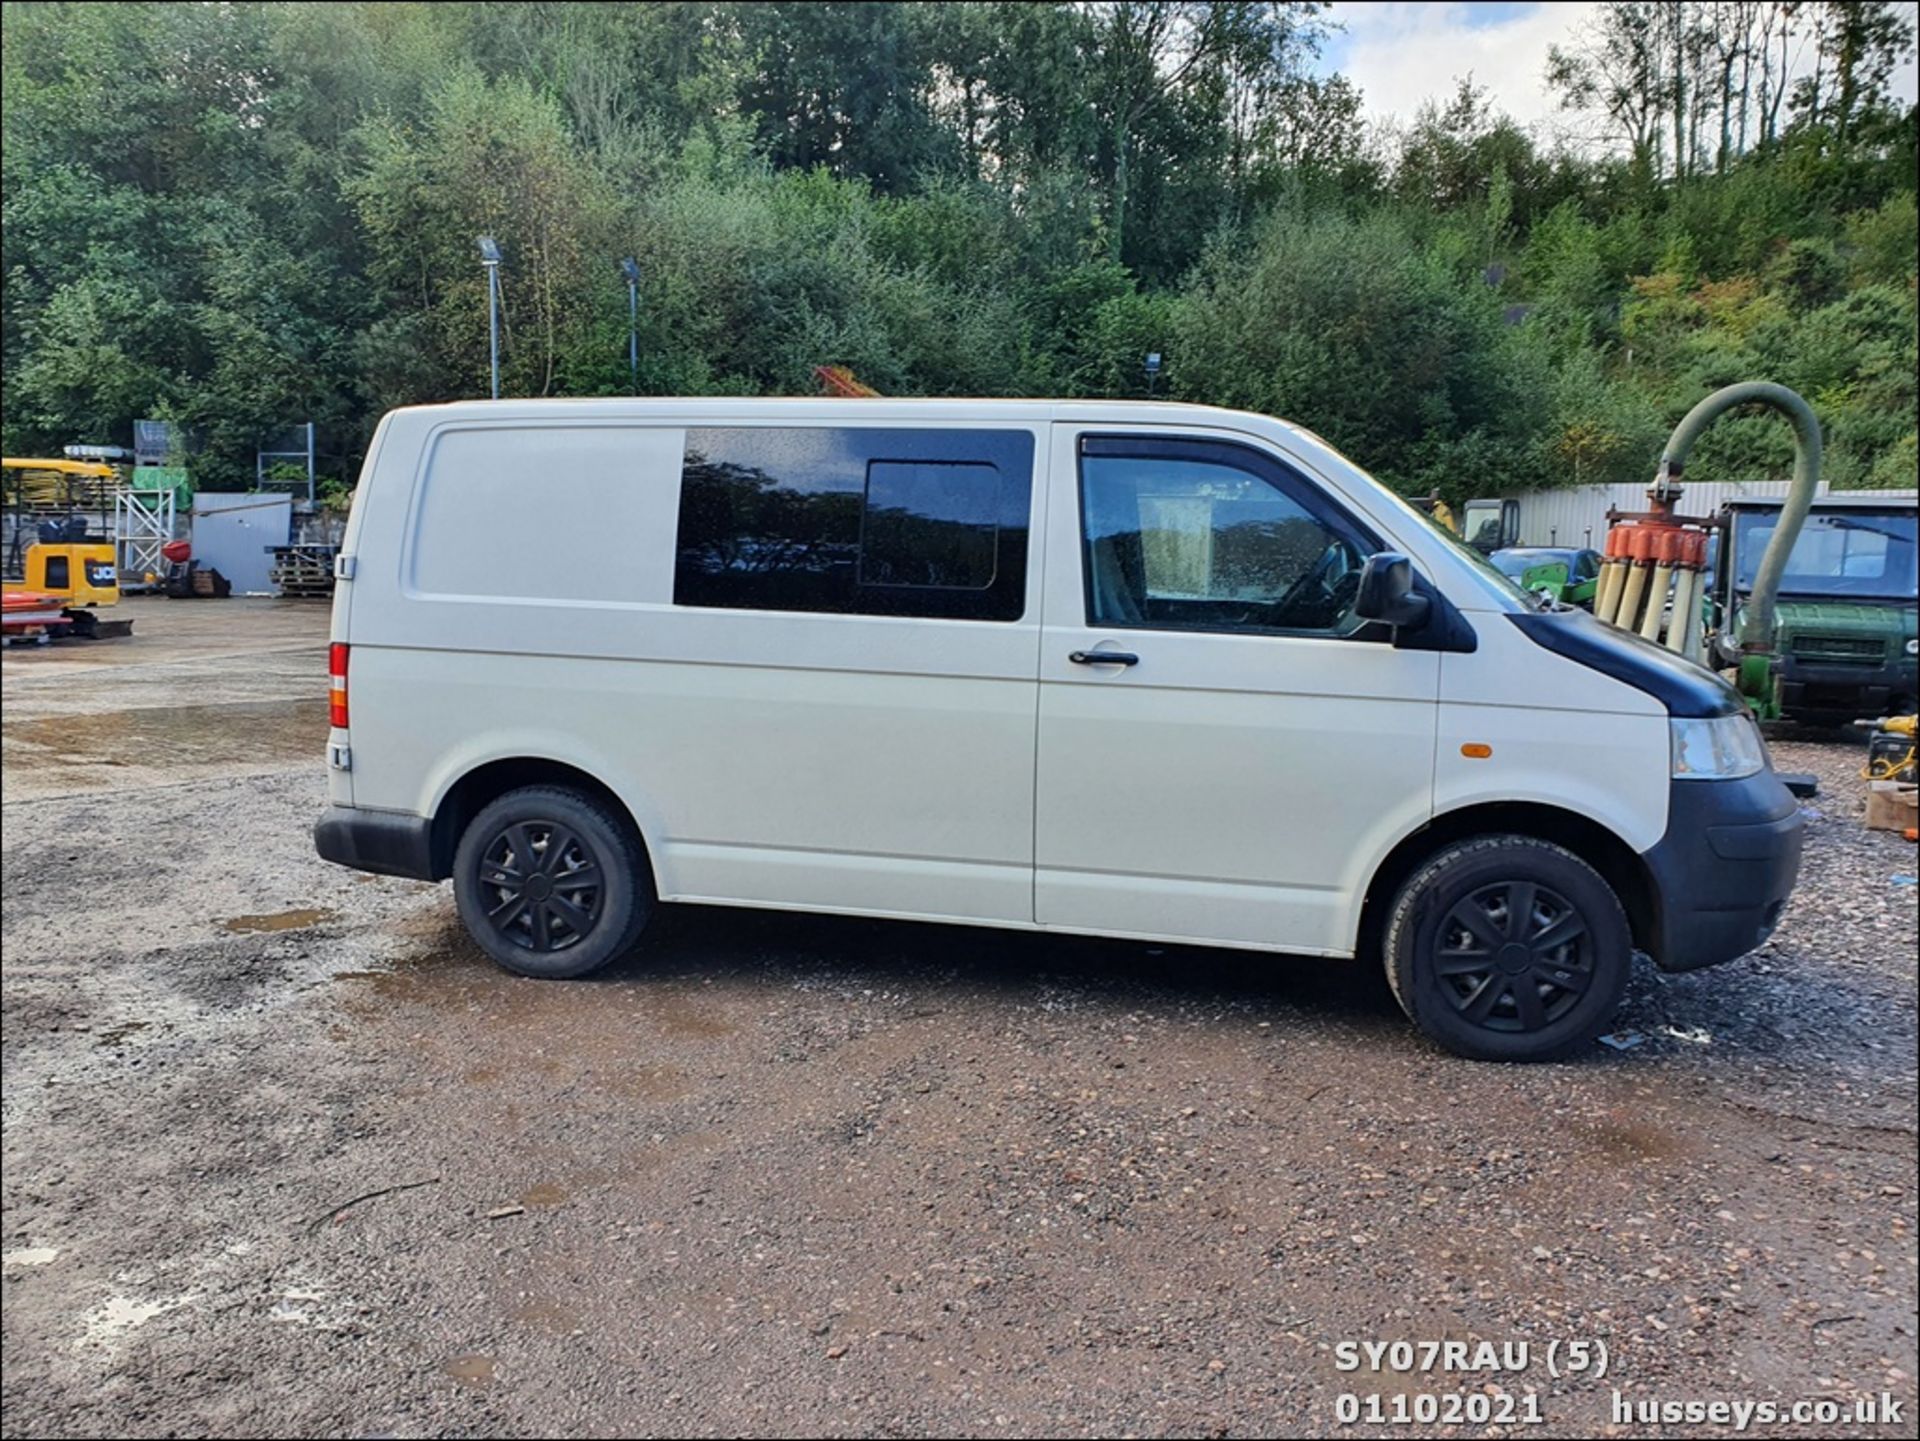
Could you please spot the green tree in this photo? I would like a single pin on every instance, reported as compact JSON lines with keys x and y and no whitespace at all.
{"x":847,"y":86}
{"x":246,"y":215}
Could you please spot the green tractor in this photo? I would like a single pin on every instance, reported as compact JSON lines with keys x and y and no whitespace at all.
{"x":1846,"y":641}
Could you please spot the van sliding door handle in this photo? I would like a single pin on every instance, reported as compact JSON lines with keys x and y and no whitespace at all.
{"x":1103,"y":657}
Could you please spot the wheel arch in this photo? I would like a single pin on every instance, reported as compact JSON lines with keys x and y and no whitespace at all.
{"x":484,"y":783}
{"x":1616,"y":861}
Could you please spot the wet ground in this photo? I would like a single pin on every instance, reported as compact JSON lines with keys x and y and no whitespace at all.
{"x":284,"y":1154}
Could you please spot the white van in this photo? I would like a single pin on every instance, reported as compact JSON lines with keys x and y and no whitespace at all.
{"x":1143,"y":670}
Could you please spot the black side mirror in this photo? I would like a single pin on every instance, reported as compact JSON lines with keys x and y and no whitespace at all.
{"x":1387,"y":594}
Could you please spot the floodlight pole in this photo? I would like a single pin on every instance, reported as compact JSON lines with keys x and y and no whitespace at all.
{"x":490,"y":258}
{"x":493,"y":321}
{"x":631,"y":269}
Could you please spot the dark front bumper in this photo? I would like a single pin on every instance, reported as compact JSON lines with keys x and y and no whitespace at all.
{"x":1724,"y":869}
{"x":1836,"y":688}
{"x":387,"y":843}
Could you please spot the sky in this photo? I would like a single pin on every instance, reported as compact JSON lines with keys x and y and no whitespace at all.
{"x":1402,"y":53}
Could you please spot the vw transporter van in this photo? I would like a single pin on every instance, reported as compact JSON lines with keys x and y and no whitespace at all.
{"x":1161,"y":672}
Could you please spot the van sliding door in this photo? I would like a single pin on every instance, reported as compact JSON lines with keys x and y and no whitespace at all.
{"x":855,"y":728}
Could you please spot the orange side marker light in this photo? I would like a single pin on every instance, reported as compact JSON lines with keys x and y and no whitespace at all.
{"x":1474,"y":751}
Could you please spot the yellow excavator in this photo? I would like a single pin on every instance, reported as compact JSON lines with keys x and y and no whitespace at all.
{"x":66,"y":575}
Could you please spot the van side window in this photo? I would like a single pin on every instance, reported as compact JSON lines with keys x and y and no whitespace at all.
{"x":1203,"y":535}
{"x":856,"y":521}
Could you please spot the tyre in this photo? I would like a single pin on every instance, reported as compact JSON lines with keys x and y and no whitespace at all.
{"x":1508,"y":948}
{"x":551,"y":883}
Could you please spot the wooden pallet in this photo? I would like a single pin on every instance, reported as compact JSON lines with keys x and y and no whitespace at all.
{"x":303,"y":571}
{"x":303,"y":590}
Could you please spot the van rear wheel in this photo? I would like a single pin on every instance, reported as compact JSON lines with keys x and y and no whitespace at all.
{"x":551,"y":883}
{"x":1508,"y":948}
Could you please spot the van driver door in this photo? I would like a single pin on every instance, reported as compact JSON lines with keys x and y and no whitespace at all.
{"x":1224,"y":749}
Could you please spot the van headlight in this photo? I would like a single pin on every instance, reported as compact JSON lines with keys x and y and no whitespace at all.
{"x":1722,"y":749}
{"x":1913,"y":645}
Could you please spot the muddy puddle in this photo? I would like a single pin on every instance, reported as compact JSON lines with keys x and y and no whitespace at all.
{"x":470,"y":1370}
{"x":1635,"y":1140}
{"x":647,"y":1083}
{"x":275,"y":921}
{"x":626,"y":1038}
{"x":167,"y":738}
{"x":458,"y":971}
{"x":441,"y":963}
{"x":607,"y":1022}
{"x":607,"y":1066}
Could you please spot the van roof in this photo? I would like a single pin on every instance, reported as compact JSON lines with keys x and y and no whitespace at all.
{"x":851,"y":408}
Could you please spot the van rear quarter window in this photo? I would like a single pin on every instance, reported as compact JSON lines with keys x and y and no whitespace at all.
{"x":856,"y":521}
{"x":543,"y":513}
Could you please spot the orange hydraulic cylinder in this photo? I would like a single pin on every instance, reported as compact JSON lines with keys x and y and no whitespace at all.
{"x":1613,"y":575}
{"x":1640,"y":553}
{"x":1686,"y":591}
{"x":1666,"y":550}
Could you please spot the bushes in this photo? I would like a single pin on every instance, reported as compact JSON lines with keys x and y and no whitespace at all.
{"x":1600,"y":432}
{"x":1808,"y":273}
{"x":1399,"y":358}
{"x":1881,"y":244}
{"x":1377,"y":324}
{"x":1852,"y":357}
{"x":268,"y":213}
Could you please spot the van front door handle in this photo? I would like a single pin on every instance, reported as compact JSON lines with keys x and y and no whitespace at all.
{"x":1103,"y":657}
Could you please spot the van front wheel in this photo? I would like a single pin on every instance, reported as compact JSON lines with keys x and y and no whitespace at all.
{"x":1508,"y":948}
{"x":551,"y":883}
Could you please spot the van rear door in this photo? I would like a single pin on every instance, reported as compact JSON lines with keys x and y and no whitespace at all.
{"x":339,"y":629}
{"x":1249,"y":751}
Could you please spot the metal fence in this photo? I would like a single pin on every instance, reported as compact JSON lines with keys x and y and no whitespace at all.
{"x":1578,"y":516}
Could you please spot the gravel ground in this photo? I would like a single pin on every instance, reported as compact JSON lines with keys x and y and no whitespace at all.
{"x":792,"y":1176}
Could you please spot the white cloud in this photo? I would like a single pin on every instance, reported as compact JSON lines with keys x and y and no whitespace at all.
{"x":1401,"y":54}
